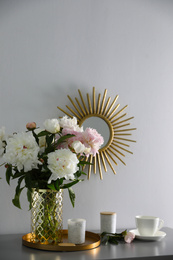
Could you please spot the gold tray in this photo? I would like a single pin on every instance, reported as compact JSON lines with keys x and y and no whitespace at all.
{"x":92,"y":240}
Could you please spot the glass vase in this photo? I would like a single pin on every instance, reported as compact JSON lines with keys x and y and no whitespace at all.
{"x":47,"y":216}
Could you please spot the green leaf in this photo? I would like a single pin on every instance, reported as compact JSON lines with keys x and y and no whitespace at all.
{"x":43,"y":133}
{"x":58,"y":183}
{"x":63,"y":138}
{"x":49,"y":139}
{"x":85,"y":162}
{"x":9,"y":174}
{"x":124,"y":233}
{"x":78,"y":174}
{"x":51,"y":186}
{"x":113,"y":240}
{"x":16,"y":200}
{"x":104,"y":240}
{"x":28,"y":181}
{"x":103,"y":234}
{"x":18,"y":174}
{"x":29,"y":198}
{"x":72,"y":196}
{"x":68,"y":185}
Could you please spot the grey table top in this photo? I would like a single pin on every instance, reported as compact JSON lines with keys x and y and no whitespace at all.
{"x":11,"y":248}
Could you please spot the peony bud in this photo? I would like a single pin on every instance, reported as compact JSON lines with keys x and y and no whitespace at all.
{"x":129,"y":237}
{"x":31,"y":126}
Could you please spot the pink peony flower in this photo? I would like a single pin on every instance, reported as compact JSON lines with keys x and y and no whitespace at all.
{"x":77,"y":137}
{"x":31,"y":126}
{"x":92,"y":139}
{"x":129,"y":237}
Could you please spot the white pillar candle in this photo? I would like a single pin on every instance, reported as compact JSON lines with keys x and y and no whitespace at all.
{"x":108,"y":222}
{"x":76,"y":230}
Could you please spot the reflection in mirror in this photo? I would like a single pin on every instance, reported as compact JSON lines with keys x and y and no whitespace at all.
{"x":101,"y":126}
{"x":111,"y":123}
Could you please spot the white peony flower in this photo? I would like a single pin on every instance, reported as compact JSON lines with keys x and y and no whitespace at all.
{"x":2,"y":133}
{"x":70,"y":123}
{"x":80,"y":148}
{"x":2,"y":140}
{"x":52,"y":125}
{"x":2,"y":146}
{"x":62,"y":163}
{"x":22,"y":151}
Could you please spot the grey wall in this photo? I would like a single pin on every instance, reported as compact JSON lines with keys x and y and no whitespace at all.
{"x":52,"y":48}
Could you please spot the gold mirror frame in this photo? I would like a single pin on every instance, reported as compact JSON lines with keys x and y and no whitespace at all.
{"x":118,"y":131}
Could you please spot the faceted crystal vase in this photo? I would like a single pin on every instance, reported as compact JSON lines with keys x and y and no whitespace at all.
{"x":46,"y":216}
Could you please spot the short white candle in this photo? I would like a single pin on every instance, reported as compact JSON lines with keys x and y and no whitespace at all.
{"x":76,"y":230}
{"x":108,"y":222}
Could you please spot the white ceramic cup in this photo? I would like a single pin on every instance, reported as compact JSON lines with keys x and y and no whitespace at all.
{"x":148,"y":225}
{"x":76,"y":230}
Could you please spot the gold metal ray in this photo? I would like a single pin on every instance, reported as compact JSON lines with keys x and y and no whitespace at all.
{"x":95,"y":162}
{"x":89,"y":167}
{"x":103,"y":161}
{"x":127,"y":145}
{"x":124,"y":139}
{"x":115,"y":134}
{"x":116,"y":156}
{"x":116,"y":150}
{"x":74,"y":105}
{"x":74,"y":113}
{"x":110,"y":108}
{"x":124,"y":121}
{"x":104,"y":152}
{"x":103,"y":101}
{"x":117,"y":106}
{"x":107,"y":103}
{"x":80,"y":106}
{"x":117,"y":127}
{"x":89,"y":104}
{"x":119,"y":112}
{"x":99,"y":107}
{"x":118,"y":118}
{"x":94,"y":101}
{"x":113,"y":144}
{"x":124,"y":130}
{"x":99,"y":165}
{"x":65,"y":112}
{"x":86,"y":109}
{"x":98,"y":103}
{"x":109,"y":151}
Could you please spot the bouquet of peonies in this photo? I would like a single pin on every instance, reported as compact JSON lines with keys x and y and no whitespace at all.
{"x":49,"y":158}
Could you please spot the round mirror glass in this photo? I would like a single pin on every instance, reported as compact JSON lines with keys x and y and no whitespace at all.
{"x":100,"y":125}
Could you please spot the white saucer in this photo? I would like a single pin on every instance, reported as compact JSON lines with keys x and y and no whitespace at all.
{"x":158,"y":236}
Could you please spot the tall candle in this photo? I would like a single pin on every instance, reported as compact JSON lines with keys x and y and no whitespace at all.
{"x":108,"y":222}
{"x":76,"y":230}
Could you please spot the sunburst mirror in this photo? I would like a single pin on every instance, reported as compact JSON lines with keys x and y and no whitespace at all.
{"x":107,"y":118}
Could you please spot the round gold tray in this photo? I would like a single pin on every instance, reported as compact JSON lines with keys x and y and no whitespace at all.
{"x":92,"y":240}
